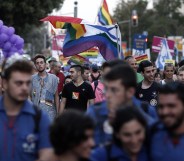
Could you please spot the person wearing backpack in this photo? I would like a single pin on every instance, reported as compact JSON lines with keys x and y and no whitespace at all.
{"x":95,"y":75}
{"x":129,"y":128}
{"x":23,"y":127}
{"x":119,"y":90}
{"x":98,"y":85}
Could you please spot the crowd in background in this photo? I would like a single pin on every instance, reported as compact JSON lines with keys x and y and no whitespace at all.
{"x":120,"y":111}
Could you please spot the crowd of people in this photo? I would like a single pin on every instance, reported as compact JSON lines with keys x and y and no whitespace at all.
{"x":121,"y":111}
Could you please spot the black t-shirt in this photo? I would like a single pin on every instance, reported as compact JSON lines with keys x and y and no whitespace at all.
{"x":148,"y":95}
{"x":77,"y":97}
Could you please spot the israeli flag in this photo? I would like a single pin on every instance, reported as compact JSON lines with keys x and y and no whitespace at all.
{"x":163,"y":55}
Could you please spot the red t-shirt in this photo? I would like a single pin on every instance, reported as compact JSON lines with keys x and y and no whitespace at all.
{"x":61,"y":81}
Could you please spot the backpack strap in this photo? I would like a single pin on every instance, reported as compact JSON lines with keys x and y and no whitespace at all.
{"x":37,"y":118}
{"x":95,"y":78}
{"x":151,"y":132}
{"x":95,"y":85}
{"x":145,"y":106}
{"x":108,"y":148}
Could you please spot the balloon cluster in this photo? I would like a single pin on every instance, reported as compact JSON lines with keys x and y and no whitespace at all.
{"x":10,"y":43}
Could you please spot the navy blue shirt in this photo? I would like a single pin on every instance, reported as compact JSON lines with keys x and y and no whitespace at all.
{"x":117,"y":153}
{"x":99,"y":113}
{"x":164,"y":147}
{"x":18,"y":142}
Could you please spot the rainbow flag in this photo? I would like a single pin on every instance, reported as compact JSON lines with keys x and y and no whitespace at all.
{"x":103,"y":15}
{"x":141,"y":58}
{"x":74,"y":25}
{"x":64,"y":60}
{"x":103,"y":37}
{"x":81,"y":37}
{"x":77,"y":59}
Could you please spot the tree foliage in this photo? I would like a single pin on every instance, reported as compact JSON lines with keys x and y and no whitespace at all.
{"x":164,"y":19}
{"x":23,"y":15}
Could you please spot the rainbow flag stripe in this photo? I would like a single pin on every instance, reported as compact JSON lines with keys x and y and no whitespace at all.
{"x":77,"y":59}
{"x":75,"y":25}
{"x":104,"y":15}
{"x":141,"y":58}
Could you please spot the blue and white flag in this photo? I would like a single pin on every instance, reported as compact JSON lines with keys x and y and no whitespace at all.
{"x":163,"y":55}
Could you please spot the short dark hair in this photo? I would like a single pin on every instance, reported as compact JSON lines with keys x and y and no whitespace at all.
{"x":181,"y":69}
{"x":123,"y":72}
{"x":144,"y":64}
{"x":113,"y":63}
{"x":23,"y":66}
{"x":78,"y":68}
{"x":181,"y":63}
{"x":156,"y":75}
{"x":39,"y":56}
{"x":123,"y":115}
{"x":105,"y":65}
{"x":116,"y":62}
{"x":67,"y":77}
{"x":173,"y":88}
{"x":86,"y":67}
{"x":68,"y":131}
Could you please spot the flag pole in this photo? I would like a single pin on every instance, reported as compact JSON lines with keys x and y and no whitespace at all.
{"x":118,"y":39}
{"x":98,"y":11}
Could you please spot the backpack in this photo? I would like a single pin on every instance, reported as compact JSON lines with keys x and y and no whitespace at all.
{"x":95,"y":85}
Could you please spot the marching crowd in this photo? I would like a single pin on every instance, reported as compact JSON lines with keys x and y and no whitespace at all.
{"x":120,"y":111}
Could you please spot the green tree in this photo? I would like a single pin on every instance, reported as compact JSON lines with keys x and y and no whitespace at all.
{"x":23,"y":15}
{"x":160,"y":21}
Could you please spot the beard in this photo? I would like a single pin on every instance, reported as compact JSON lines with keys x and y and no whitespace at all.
{"x":41,"y":71}
{"x":177,"y":123}
{"x":14,"y":99}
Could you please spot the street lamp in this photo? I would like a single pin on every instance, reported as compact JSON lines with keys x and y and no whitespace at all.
{"x":134,"y":18}
{"x":75,"y":8}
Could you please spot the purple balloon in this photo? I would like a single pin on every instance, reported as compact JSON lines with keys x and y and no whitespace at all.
{"x":21,"y":52}
{"x":19,"y":46}
{"x":13,"y":39}
{"x":4,"y":29}
{"x":6,"y":54}
{"x":13,"y":49}
{"x":19,"y":40}
{"x":11,"y":31}
{"x":3,"y":38}
{"x":7,"y":46}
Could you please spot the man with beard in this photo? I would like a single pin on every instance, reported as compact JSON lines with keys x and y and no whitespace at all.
{"x":44,"y":90}
{"x":119,"y":90}
{"x":24,"y":128}
{"x":86,"y":74}
{"x":167,"y":136}
{"x":147,"y":89}
{"x":78,"y":93}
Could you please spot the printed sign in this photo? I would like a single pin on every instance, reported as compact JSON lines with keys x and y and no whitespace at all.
{"x":157,"y":43}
